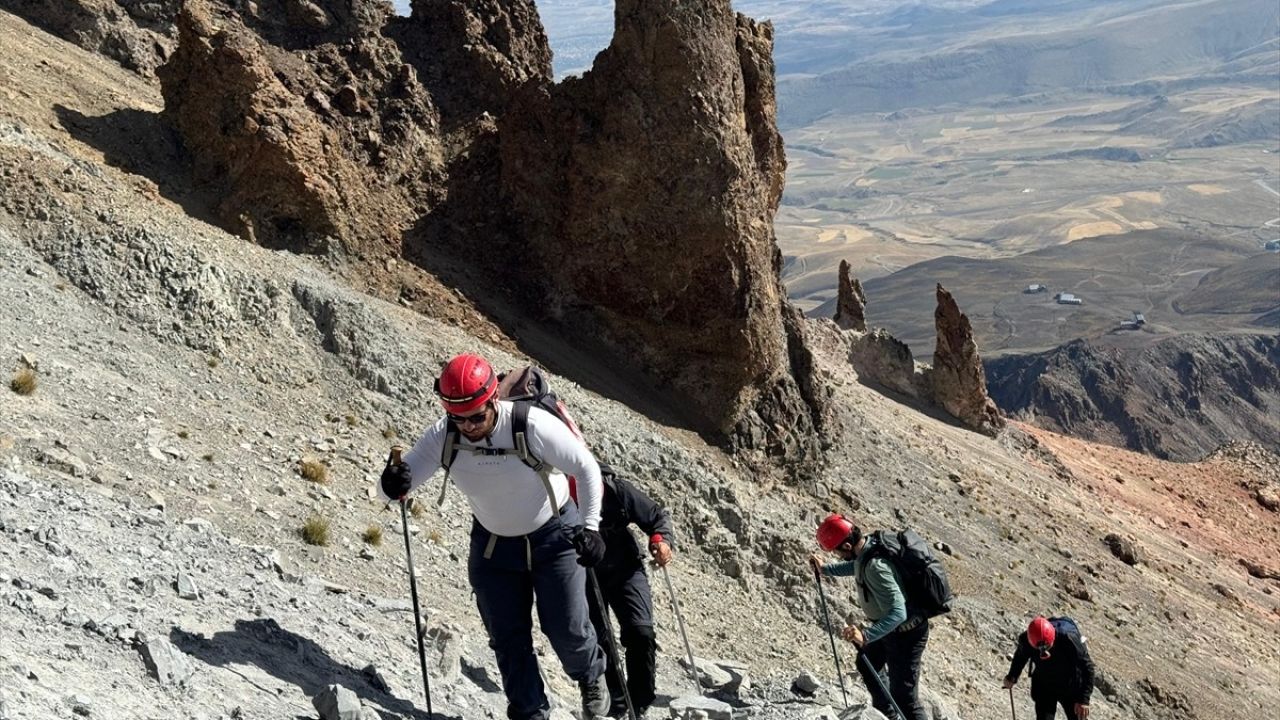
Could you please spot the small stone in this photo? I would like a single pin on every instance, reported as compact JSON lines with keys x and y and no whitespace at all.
{"x":157,"y":501}
{"x":710,"y":675}
{"x":806,"y":684}
{"x":1123,"y":548}
{"x":80,"y":705}
{"x":64,"y":462}
{"x":165,"y":662}
{"x":694,"y":706}
{"x":187,"y":589}
{"x":376,"y":678}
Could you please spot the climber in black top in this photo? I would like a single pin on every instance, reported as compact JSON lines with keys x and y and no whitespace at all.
{"x":1061,"y":669}
{"x":625,"y":585}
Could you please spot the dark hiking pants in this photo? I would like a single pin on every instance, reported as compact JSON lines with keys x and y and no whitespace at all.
{"x":900,"y":652}
{"x":507,"y":575}
{"x":626,"y":592}
{"x":1047,"y":707}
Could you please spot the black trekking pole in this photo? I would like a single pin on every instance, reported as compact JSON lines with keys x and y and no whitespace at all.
{"x":413,"y":589}
{"x":880,"y":682}
{"x":1012,"y":709}
{"x":609,"y":642}
{"x":675,"y":607}
{"x":826,"y":619}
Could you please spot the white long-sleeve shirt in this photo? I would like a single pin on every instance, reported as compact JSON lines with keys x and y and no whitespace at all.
{"x":507,"y":496}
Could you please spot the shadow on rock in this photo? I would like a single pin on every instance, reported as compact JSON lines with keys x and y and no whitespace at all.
{"x":140,"y":143}
{"x":292,"y":659}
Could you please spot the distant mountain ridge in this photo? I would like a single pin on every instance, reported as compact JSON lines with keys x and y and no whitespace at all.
{"x":1144,"y":43}
{"x":1178,"y":399}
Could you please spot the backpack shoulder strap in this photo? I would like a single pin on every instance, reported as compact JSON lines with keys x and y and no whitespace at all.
{"x":520,"y":438}
{"x":448,"y":453}
{"x":520,"y":435}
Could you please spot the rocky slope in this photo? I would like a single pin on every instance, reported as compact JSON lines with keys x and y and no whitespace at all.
{"x":177,"y":364}
{"x":1179,"y":398}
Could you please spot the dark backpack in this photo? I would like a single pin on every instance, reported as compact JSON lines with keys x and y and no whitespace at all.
{"x":1066,"y":627}
{"x":924,"y":580}
{"x":525,"y":387}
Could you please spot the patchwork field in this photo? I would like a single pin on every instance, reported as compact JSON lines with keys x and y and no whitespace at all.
{"x":886,"y":192}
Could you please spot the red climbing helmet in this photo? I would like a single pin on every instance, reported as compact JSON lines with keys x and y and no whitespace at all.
{"x":466,"y":383}
{"x":833,"y":531}
{"x":1040,"y":635}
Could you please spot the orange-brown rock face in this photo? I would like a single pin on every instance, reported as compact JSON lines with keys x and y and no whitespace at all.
{"x":325,"y":135}
{"x":647,"y":189}
{"x":959,"y":384}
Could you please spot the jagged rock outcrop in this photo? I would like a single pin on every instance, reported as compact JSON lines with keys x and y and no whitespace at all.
{"x":474,"y":54}
{"x":637,"y":201}
{"x":1179,"y":398}
{"x":138,"y":34}
{"x":959,"y":384}
{"x":327,"y":134}
{"x":851,"y":301}
{"x":647,"y":189}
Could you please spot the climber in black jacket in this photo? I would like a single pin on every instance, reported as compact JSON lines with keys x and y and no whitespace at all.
{"x":625,"y":586}
{"x":1062,"y":671}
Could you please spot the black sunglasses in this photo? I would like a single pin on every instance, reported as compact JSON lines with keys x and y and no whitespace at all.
{"x":475,"y":419}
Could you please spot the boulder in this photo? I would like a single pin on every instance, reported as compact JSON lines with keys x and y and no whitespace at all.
{"x":165,"y":662}
{"x":806,"y":684}
{"x":337,"y":703}
{"x":1125,"y":549}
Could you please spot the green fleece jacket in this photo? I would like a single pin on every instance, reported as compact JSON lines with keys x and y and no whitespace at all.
{"x":883,"y":601}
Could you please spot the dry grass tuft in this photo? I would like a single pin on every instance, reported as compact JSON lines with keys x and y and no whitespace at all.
{"x":24,"y":382}
{"x":315,"y":531}
{"x":372,"y":535}
{"x":351,"y":420}
{"x":313,"y":471}
{"x":390,"y":433}
{"x":417,"y":509}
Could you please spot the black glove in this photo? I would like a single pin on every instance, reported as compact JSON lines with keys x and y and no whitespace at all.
{"x":590,"y":547}
{"x":396,"y":479}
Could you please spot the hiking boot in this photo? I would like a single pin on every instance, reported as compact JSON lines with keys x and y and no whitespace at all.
{"x":595,"y":699}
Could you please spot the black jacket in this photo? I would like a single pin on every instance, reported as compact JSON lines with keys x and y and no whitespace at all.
{"x":1067,"y":673}
{"x":623,"y":505}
